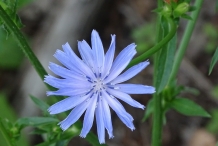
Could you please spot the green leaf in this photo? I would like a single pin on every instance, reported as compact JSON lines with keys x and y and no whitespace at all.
{"x":59,"y":137}
{"x":38,"y":131}
{"x":212,"y":125}
{"x":185,"y":16}
{"x":8,"y":115}
{"x":188,"y":107}
{"x":149,"y":109}
{"x":192,"y":8}
{"x":62,"y":143}
{"x":54,"y":143}
{"x":157,"y":10}
{"x":213,"y":61}
{"x":10,"y":7}
{"x":165,"y":62}
{"x":35,"y":121}
{"x":4,"y":6}
{"x":216,"y":5}
{"x":41,"y":104}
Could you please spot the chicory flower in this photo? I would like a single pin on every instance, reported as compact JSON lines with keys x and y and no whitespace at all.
{"x":93,"y":85}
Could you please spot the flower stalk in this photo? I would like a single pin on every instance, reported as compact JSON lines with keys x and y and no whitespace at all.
{"x":157,"y":47}
{"x":185,"y":40}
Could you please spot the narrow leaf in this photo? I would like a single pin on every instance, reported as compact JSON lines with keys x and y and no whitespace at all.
{"x":213,"y":61}
{"x":185,"y":16}
{"x":41,"y":104}
{"x":212,"y":125}
{"x":35,"y":121}
{"x":165,"y":62}
{"x":188,"y":107}
{"x":216,"y":5}
{"x":149,"y":110}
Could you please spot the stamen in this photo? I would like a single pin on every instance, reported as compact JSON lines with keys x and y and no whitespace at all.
{"x":112,"y":96}
{"x":89,"y":91}
{"x":91,"y":95}
{"x":108,"y":93}
{"x":95,"y":75}
{"x":88,"y":77}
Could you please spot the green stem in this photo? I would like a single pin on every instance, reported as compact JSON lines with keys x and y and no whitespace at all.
{"x":5,"y":134}
{"x":185,"y":40}
{"x":157,"y":47}
{"x":157,"y":114}
{"x":23,"y":44}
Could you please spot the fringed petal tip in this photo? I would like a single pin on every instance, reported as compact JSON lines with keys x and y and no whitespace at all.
{"x":82,"y":136}
{"x":63,"y":126}
{"x":151,"y":90}
{"x":49,"y":93}
{"x":45,"y":77}
{"x":111,"y":136}
{"x":132,"y":128}
{"x":142,"y":107}
{"x":50,"y":110}
{"x":66,"y":44}
{"x":102,"y":142}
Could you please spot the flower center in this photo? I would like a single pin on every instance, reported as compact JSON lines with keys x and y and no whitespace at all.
{"x":98,"y":85}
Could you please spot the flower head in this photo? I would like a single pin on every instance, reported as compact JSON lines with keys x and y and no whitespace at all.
{"x":94,"y":84}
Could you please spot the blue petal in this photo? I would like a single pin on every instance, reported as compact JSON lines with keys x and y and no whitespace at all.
{"x":121,"y":62}
{"x":63,"y":72}
{"x":86,"y":53}
{"x":126,"y":98}
{"x":117,"y":106}
{"x":64,"y":59}
{"x":135,"y":88}
{"x":68,"y":92}
{"x":109,"y":57}
{"x":78,"y":63}
{"x":67,"y":104}
{"x":74,"y":115}
{"x":130,"y":73}
{"x":126,"y":121}
{"x":67,"y":49}
{"x":100,"y":122}
{"x":98,"y":51}
{"x":89,"y":116}
{"x":107,"y":118}
{"x":67,"y":83}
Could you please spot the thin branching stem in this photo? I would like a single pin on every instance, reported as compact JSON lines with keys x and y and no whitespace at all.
{"x":158,"y":46}
{"x":185,"y":40}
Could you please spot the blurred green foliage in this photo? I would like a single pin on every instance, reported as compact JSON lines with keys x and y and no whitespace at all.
{"x":143,"y":38}
{"x":8,"y":116}
{"x":213,"y":61}
{"x":211,"y":32}
{"x":216,"y":10}
{"x":212,"y":126}
{"x":10,"y":54}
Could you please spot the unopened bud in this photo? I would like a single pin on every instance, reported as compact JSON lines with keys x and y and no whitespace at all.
{"x":166,"y":11}
{"x":181,"y":9}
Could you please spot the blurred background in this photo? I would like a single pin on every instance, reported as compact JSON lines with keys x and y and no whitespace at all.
{"x":51,"y":23}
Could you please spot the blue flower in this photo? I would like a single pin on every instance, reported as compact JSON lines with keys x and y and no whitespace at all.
{"x":94,"y":84}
